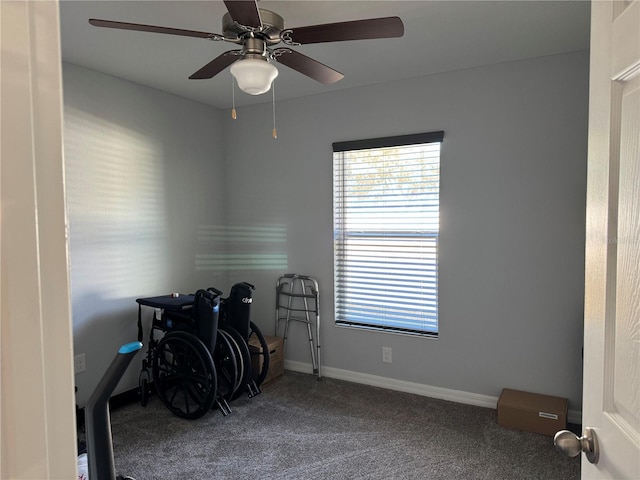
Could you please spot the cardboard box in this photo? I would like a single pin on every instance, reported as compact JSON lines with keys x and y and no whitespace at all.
{"x":532,"y":412}
{"x":275,"y":346}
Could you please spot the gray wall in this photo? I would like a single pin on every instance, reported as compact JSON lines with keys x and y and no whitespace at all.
{"x":512,"y":221}
{"x":144,"y":174}
{"x":144,"y":169}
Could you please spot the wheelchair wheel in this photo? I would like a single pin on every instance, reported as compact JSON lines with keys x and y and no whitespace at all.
{"x":143,"y":383}
{"x":144,"y":392}
{"x":224,"y":359}
{"x":184,"y":375}
{"x":259,"y":354}
{"x":240,"y":363}
{"x":243,"y":359}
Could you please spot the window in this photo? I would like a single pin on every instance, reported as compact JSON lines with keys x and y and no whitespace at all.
{"x":386,"y":196}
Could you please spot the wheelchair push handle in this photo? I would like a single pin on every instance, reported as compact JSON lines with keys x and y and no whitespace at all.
{"x":215,"y":290}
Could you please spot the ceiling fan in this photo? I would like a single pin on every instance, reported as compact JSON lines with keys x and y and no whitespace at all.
{"x":257,"y":31}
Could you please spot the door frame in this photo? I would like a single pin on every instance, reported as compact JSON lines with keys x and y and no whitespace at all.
{"x":37,"y":416}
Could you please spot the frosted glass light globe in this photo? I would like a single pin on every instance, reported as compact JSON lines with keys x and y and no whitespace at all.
{"x":254,"y":76}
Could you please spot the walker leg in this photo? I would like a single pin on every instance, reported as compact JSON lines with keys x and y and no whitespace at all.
{"x":303,"y":288}
{"x":311,"y":348}
{"x":318,"y":343}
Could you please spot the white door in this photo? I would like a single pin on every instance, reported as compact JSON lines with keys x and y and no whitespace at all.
{"x":612,"y":296}
{"x":37,"y":417}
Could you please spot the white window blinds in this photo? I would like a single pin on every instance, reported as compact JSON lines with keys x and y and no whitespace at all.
{"x":386,"y":222}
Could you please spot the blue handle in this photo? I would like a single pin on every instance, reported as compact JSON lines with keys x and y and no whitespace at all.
{"x":130,"y":347}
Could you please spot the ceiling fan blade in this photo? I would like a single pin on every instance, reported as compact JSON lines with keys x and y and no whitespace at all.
{"x":307,"y":66}
{"x":386,"y":27}
{"x":216,"y":65}
{"x":96,"y":22}
{"x":244,"y":12}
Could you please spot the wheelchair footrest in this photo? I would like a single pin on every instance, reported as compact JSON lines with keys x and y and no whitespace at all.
{"x":223,"y":406}
{"x":253,"y":389}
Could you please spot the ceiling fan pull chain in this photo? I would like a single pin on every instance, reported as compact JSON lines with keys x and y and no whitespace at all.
{"x":233,"y":98}
{"x":274,"y":133}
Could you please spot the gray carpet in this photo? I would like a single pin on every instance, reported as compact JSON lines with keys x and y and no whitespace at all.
{"x":299,"y":428}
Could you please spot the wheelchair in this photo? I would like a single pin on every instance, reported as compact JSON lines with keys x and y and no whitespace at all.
{"x":253,"y":352}
{"x":195,"y":364}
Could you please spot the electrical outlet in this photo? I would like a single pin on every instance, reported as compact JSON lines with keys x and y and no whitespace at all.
{"x":386,"y":354}
{"x":79,"y":363}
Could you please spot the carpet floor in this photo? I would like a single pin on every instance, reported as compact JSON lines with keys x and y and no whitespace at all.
{"x":300,"y":428}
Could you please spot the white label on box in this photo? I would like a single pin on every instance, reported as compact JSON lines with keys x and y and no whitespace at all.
{"x":552,"y":416}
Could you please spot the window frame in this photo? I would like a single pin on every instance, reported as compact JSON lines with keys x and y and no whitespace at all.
{"x":343,"y":235}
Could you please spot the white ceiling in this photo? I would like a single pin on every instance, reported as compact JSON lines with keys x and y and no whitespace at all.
{"x":439,"y":36}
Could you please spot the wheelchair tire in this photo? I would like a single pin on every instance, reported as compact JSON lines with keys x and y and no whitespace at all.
{"x":184,"y":375}
{"x":144,"y":392}
{"x":259,"y":357}
{"x":224,"y":359}
{"x":244,"y":359}
{"x":239,"y":359}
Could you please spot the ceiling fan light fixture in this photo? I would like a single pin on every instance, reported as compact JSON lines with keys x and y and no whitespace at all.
{"x":254,"y":76}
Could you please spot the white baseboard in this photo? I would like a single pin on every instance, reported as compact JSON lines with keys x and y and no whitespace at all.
{"x":573,"y":416}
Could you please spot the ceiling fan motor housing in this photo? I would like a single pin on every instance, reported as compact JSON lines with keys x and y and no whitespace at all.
{"x":254,"y":48}
{"x":272,"y":26}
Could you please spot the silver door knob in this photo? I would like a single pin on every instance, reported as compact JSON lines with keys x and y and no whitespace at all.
{"x":568,"y":443}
